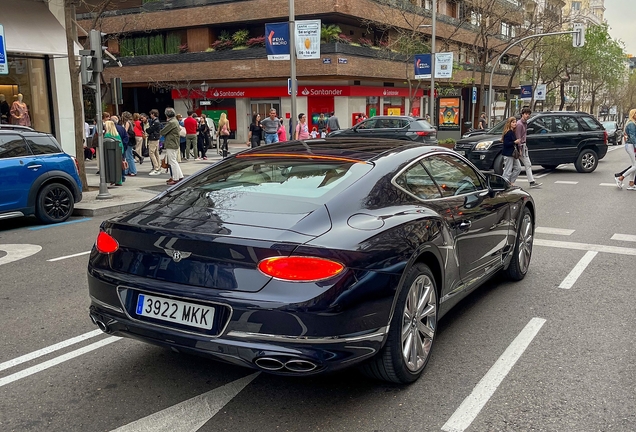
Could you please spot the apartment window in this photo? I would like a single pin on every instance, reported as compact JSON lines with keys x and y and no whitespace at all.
{"x":475,"y":18}
{"x":576,"y":5}
{"x":505,"y":28}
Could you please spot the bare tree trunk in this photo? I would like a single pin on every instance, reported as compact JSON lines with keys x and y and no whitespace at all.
{"x":562,"y":93}
{"x":69,"y":21}
{"x":593,"y":102}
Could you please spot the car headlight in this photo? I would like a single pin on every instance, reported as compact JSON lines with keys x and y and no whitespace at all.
{"x":483,"y":145}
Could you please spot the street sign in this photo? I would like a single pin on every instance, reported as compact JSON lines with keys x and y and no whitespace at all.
{"x":205,"y":102}
{"x":474,"y":94}
{"x":4,"y":61}
{"x":578,"y":37}
{"x":289,"y":86}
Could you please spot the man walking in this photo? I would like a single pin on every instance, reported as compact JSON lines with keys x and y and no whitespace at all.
{"x":521,"y":132}
{"x":191,"y":125}
{"x":332,"y":122}
{"x":152,"y":131}
{"x":270,"y":127}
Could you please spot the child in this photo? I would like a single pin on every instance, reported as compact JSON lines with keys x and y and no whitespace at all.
{"x":314,"y":133}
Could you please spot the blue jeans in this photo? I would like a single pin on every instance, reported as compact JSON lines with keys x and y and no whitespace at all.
{"x":271,"y":138}
{"x":132,"y":169}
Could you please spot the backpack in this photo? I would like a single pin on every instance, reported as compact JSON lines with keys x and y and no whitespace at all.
{"x":130,"y":130}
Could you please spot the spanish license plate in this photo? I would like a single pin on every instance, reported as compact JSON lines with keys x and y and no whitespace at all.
{"x":175,"y":311}
{"x":461,"y":152}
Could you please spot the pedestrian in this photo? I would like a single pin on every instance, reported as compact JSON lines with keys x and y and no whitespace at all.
{"x":322,"y":125}
{"x":129,"y":126}
{"x":125,"y":139}
{"x":630,"y":147}
{"x":270,"y":127}
{"x":521,"y":132}
{"x":510,"y":152}
{"x":143,"y":118}
{"x":182,"y":137}
{"x":282,"y":133}
{"x":139,"y":138}
{"x":212,"y":134}
{"x":482,"y":121}
{"x":224,"y":132}
{"x":171,"y":143}
{"x":332,"y":122}
{"x":203,"y":139}
{"x":111,"y":132}
{"x":191,"y":126}
{"x":314,"y":132}
{"x":255,"y":132}
{"x":302,"y":130}
{"x":154,"y":127}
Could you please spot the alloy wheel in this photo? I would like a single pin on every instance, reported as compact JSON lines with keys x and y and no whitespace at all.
{"x":525,"y":243}
{"x":588,"y":160}
{"x":57,"y":203}
{"x":418,"y":323}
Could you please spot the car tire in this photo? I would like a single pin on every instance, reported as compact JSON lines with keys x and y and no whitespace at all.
{"x":498,"y":165}
{"x":412,"y":330}
{"x":550,"y":167}
{"x":54,"y":204}
{"x":587,"y":161}
{"x":522,"y":253}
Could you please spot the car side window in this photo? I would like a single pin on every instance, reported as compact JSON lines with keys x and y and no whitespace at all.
{"x":418,"y":182}
{"x":453,"y":175}
{"x":540,"y":126}
{"x":43,"y":145}
{"x":589,"y":124}
{"x":565,"y":124}
{"x":368,"y":124}
{"x":13,"y":146}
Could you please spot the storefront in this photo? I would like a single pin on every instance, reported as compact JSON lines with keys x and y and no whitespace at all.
{"x":37,"y":85}
{"x":241,"y":103}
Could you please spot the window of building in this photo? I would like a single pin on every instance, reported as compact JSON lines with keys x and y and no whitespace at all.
{"x":505,"y":28}
{"x":475,"y":18}
{"x":576,"y":5}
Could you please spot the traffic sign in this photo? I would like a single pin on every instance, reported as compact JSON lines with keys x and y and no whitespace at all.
{"x":289,"y":86}
{"x":474,"y":94}
{"x":4,"y":61}
{"x":578,"y":37}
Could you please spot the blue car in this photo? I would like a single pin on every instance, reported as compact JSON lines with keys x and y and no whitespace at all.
{"x":36,"y":176}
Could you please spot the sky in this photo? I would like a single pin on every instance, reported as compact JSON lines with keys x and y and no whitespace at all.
{"x":622,"y":23}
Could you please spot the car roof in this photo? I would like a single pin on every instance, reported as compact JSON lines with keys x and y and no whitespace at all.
{"x":24,"y":131}
{"x":352,"y":148}
{"x":402,"y":117}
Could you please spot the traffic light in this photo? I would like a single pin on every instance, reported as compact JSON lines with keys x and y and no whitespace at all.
{"x":578,"y":36}
{"x":92,"y":60}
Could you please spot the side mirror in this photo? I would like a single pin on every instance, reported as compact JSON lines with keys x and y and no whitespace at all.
{"x":497,"y":183}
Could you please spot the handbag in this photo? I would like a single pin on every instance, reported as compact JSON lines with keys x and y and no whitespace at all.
{"x":515,"y":153}
{"x":124,"y":165}
{"x":182,"y":131}
{"x":144,"y":150}
{"x":164,"y":163}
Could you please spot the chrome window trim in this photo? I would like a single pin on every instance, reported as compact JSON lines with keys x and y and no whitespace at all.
{"x":436,"y":153}
{"x":379,"y":333}
{"x":122,"y":288}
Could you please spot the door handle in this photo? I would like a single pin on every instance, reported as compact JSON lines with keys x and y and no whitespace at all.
{"x":464,"y":225}
{"x":34,"y":166}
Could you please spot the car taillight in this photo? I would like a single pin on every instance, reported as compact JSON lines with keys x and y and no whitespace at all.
{"x":76,"y":164}
{"x":300,"y":269}
{"x":106,"y":243}
{"x":423,"y":133}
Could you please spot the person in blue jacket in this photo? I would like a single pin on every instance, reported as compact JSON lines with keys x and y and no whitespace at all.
{"x":512,"y":166}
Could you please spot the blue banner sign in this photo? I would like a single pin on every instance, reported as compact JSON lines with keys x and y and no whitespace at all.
{"x":277,"y":41}
{"x":4,"y":61}
{"x":422,"y":63}
{"x":526,"y":92}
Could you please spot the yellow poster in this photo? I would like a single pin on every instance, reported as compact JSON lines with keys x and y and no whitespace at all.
{"x":394,"y":111}
{"x":449,"y":113}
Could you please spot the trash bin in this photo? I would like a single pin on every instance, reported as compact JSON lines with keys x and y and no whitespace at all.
{"x":112,"y":160}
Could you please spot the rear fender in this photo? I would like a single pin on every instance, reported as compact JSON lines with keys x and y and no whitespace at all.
{"x":54,"y":176}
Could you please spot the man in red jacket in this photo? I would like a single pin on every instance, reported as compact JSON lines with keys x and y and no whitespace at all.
{"x":190,"y":124}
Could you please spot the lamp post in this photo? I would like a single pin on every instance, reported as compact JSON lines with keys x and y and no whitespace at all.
{"x":431,"y":97}
{"x":204,"y":88}
{"x":292,"y":62}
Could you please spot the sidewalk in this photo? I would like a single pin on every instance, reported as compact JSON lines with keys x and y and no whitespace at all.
{"x":137,"y":190}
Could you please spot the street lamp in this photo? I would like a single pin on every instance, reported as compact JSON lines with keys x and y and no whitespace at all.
{"x":204,"y":87}
{"x":431,"y":98}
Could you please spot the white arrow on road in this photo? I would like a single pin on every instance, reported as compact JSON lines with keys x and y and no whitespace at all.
{"x":17,"y":252}
{"x":192,"y":414}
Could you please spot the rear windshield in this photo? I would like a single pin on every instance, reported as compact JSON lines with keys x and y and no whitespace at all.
{"x":589,"y":123}
{"x":424,"y":124}
{"x":498,"y":128}
{"x":301,"y":178}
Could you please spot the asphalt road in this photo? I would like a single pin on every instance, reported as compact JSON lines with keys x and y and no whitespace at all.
{"x":554,"y":352}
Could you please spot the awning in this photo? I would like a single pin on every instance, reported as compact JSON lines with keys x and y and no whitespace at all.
{"x":31,"y":28}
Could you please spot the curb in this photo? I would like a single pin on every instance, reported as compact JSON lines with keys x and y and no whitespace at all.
{"x":117,"y":208}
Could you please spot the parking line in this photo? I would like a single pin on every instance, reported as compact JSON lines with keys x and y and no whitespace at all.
{"x":578,"y":270}
{"x":57,"y":360}
{"x":585,"y":247}
{"x":69,"y":256}
{"x":608,"y":184}
{"x":557,"y":231}
{"x":566,"y":182}
{"x":486,"y":387}
{"x":56,"y":225}
{"x":624,"y":237}
{"x":44,"y":351}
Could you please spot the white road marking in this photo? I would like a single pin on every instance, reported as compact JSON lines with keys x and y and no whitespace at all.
{"x":56,"y":361}
{"x":585,"y":247}
{"x":69,"y":256}
{"x":486,"y":387}
{"x":624,"y":237}
{"x":566,"y":182}
{"x":17,"y":252}
{"x":578,"y":270}
{"x":556,"y":231}
{"x":44,"y":351}
{"x":192,"y":414}
{"x":609,"y":184}
{"x":615,"y":148}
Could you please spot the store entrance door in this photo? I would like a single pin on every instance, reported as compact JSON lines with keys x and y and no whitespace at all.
{"x":263,"y":107}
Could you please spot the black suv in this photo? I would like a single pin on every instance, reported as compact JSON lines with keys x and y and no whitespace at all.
{"x":397,"y":127}
{"x":554,"y":138}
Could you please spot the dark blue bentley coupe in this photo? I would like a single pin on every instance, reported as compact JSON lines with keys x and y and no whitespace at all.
{"x":303,"y":257}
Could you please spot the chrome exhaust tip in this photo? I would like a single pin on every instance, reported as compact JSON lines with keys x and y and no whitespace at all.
{"x":270,"y":364}
{"x":300,"y":366}
{"x":93,"y":320}
{"x":103,"y":327}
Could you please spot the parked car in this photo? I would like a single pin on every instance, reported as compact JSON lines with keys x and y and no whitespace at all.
{"x":393,"y":127}
{"x":36,"y":176}
{"x":553,"y":138}
{"x":497,"y":128}
{"x":303,"y":257}
{"x":614,"y":132}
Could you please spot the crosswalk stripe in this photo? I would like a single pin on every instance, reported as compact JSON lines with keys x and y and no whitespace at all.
{"x":624,"y":237}
{"x":557,"y":231}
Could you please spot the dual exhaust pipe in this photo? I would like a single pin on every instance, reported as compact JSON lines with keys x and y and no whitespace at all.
{"x":295,"y":365}
{"x":99,"y":323}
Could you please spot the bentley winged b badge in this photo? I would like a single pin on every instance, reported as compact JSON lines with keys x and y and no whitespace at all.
{"x":177,"y":255}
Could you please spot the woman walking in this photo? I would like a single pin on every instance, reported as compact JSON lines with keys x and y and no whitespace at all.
{"x":255,"y":133}
{"x":224,"y":132}
{"x":139,"y":138}
{"x":127,"y":123}
{"x":630,"y":144}
{"x":282,"y":133}
{"x":512,"y":166}
{"x":203,"y":139}
{"x":110,"y":132}
{"x":302,"y":130}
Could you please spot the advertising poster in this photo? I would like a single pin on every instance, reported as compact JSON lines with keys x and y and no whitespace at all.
{"x":444,"y":65}
{"x":526,"y":92}
{"x":449,"y":113}
{"x":422,"y":63}
{"x":540,"y":92}
{"x":308,"y":39}
{"x":4,"y":63}
{"x":394,"y":111}
{"x":277,"y":41}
